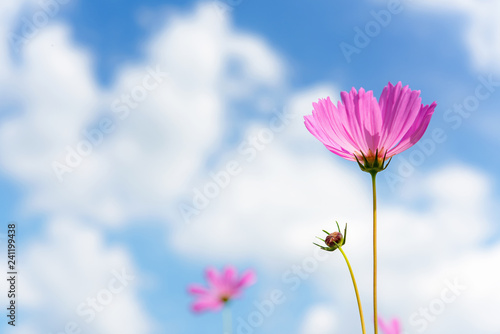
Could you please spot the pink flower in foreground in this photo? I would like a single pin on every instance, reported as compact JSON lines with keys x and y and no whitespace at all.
{"x":359,"y":128}
{"x":394,"y":327}
{"x":222,"y":287}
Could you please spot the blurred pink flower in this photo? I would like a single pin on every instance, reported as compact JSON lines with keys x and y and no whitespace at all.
{"x":394,"y":327}
{"x":360,"y":128}
{"x":222,"y":287}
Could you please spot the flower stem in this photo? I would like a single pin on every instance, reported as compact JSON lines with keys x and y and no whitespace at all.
{"x":355,"y":290}
{"x":374,"y":187}
{"x":227,"y":320}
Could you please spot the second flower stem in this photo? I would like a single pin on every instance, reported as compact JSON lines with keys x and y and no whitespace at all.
{"x":227,"y":320}
{"x":355,"y":290}
{"x":374,"y":188}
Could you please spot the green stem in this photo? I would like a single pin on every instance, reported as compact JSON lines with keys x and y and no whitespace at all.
{"x":227,"y":320}
{"x":355,"y":290}
{"x":374,"y":188}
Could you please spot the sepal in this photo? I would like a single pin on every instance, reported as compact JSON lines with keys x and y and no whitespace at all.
{"x":333,"y":240}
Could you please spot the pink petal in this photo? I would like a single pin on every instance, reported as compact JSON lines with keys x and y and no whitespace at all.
{"x":320,"y":124}
{"x":248,"y":278}
{"x":229,"y":275}
{"x":396,"y":326}
{"x":351,"y":102}
{"x":348,"y":128}
{"x":369,"y":118}
{"x":400,"y":107}
{"x":416,"y":132}
{"x":207,"y":305}
{"x":196,"y":289}
{"x":317,"y":132}
{"x":329,"y":118}
{"x":358,"y":123}
{"x":383,"y":326}
{"x":213,"y":277}
{"x":393,"y":328}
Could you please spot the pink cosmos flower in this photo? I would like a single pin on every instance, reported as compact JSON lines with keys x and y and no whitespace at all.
{"x":394,"y":327}
{"x":360,"y":128}
{"x":222,"y":287}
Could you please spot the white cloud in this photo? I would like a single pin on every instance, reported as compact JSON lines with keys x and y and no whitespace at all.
{"x":160,"y":141}
{"x":138,"y":170}
{"x":480,"y":276}
{"x":320,"y":319}
{"x":71,"y":264}
{"x":482,"y":34}
{"x":58,"y":96}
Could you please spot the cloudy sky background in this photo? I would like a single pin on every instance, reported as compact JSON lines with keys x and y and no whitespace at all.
{"x":220,"y":87}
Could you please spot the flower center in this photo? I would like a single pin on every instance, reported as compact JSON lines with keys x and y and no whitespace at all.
{"x":372,"y":162}
{"x":373,"y":157}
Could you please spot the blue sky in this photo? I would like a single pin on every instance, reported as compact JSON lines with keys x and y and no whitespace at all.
{"x":209,"y":79}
